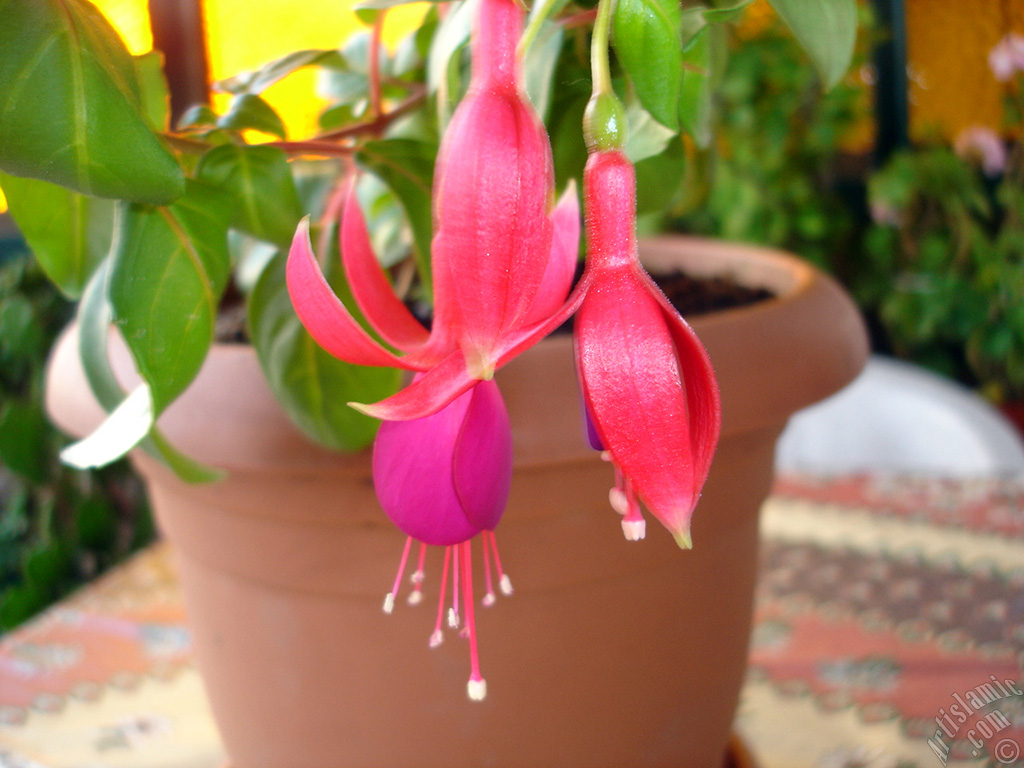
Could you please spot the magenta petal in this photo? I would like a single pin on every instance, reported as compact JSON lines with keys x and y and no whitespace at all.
{"x":413,"y":477}
{"x":426,"y":395}
{"x":323,"y":314}
{"x":632,"y":382}
{"x":370,"y":286}
{"x":483,"y":457}
{"x":565,"y":243}
{"x":703,"y":397}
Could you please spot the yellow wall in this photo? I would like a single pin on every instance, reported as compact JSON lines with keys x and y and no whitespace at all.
{"x":245,"y":34}
{"x":948,"y":42}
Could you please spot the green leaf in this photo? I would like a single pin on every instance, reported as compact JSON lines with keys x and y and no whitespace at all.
{"x":312,"y":386}
{"x":197,"y":116}
{"x":94,"y":318}
{"x":156,"y":96}
{"x":260,"y":180}
{"x":169,"y":270}
{"x":647,"y":41}
{"x":71,"y":113}
{"x":20,"y":603}
{"x":22,"y":342}
{"x":250,"y":111}
{"x":539,"y":66}
{"x":695,"y":93}
{"x":24,"y":440}
{"x":264,"y":77}
{"x":827,"y":29}
{"x":659,"y":178}
{"x":697,"y":17}
{"x":407,"y":166}
{"x":69,"y":233}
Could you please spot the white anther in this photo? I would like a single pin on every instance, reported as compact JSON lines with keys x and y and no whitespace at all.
{"x":477,"y":689}
{"x":453,"y":618}
{"x":489,"y":599}
{"x":389,"y":602}
{"x":436,"y":638}
{"x":505,"y":585}
{"x":464,"y":632}
{"x":634,"y":530}
{"x":606,"y":455}
{"x":417,"y":577}
{"x":617,"y":498}
{"x":415,"y":597}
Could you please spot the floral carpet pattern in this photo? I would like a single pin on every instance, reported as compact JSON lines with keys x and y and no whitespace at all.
{"x":889,"y":633}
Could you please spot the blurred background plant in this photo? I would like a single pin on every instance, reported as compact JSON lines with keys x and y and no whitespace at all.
{"x":943,"y":259}
{"x":58,"y":526}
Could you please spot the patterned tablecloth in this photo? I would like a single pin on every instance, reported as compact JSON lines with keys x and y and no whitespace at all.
{"x":889,"y":634}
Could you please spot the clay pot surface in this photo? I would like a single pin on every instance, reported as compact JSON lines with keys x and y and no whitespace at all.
{"x":610,"y":653}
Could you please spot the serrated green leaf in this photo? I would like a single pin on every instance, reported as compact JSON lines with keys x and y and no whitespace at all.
{"x":249,"y":111}
{"x":70,"y":111}
{"x":69,"y":233}
{"x":827,"y":29}
{"x":407,"y":167}
{"x":312,"y":386}
{"x":695,"y":92}
{"x":169,"y":270}
{"x":647,"y":42}
{"x":260,"y":181}
{"x":156,"y":96}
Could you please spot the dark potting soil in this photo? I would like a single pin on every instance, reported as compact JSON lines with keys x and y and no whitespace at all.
{"x":691,"y":296}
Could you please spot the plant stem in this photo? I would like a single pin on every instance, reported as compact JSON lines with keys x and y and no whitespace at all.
{"x":548,"y":9}
{"x":599,"y":66}
{"x":375,"y":90}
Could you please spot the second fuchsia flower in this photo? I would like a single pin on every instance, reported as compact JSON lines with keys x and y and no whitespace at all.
{"x":647,"y":382}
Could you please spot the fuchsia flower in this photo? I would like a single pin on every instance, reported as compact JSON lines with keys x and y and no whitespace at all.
{"x":443,"y":479}
{"x":1007,"y":57}
{"x":647,"y":382}
{"x":502,"y":260}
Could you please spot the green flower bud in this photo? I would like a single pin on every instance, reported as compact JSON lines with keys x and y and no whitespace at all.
{"x":604,"y":123}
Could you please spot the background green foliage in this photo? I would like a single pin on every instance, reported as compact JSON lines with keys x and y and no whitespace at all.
{"x":58,"y":526}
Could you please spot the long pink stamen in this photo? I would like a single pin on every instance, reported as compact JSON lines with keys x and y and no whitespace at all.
{"x":416,"y":596}
{"x":453,"y":613}
{"x":634,"y":527}
{"x":477,"y":686}
{"x":438,"y":636}
{"x":489,"y":598}
{"x":504,"y":582}
{"x":389,"y":598}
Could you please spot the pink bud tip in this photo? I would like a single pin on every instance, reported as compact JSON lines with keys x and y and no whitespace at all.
{"x":634,"y":530}
{"x":476,"y":688}
{"x":617,"y":498}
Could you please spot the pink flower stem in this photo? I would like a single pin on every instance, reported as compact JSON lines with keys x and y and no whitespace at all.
{"x":453,"y":615}
{"x":476,"y":687}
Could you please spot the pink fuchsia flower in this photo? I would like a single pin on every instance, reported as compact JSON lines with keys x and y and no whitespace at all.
{"x":1007,"y":57}
{"x":502,"y":259}
{"x":647,"y":381}
{"x":443,"y":479}
{"x":983,"y":145}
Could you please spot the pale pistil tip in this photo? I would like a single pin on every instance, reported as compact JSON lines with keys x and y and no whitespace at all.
{"x":476,"y":688}
{"x":634,"y":530}
{"x":506,"y":585}
{"x":389,"y":602}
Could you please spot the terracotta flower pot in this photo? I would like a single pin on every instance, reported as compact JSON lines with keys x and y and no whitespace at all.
{"x":610,"y":653}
